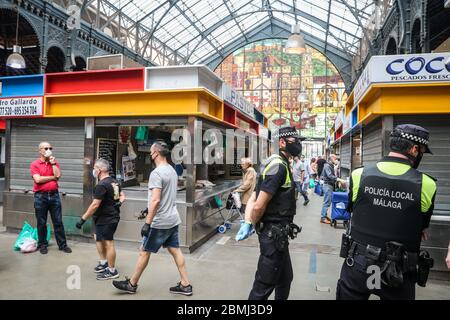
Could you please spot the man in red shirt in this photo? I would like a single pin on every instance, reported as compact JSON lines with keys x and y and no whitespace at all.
{"x":46,"y":173}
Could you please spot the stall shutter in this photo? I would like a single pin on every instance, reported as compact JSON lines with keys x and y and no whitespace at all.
{"x":67,"y":139}
{"x":345,"y":153}
{"x":371,"y":143}
{"x":436,"y":164}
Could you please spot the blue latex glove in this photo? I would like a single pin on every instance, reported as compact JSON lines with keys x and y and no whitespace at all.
{"x":245,"y":231}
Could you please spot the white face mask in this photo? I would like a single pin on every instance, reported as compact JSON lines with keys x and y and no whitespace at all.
{"x":94,"y":173}
{"x":48,"y":153}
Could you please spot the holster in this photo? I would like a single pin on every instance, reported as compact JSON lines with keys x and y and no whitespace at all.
{"x":424,"y":265}
{"x":395,"y":265}
{"x":280,"y":235}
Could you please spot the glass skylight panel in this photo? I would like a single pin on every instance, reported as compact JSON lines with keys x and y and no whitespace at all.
{"x":202,"y":16}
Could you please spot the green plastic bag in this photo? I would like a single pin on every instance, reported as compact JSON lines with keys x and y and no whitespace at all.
{"x":28,"y":232}
{"x":141,"y":133}
{"x":218,"y":201}
{"x":312,"y":183}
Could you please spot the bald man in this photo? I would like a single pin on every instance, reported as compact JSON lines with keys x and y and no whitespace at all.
{"x":46,"y":172}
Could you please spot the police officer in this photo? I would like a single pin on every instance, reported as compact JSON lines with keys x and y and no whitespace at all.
{"x":271,"y":210}
{"x":391,"y":204}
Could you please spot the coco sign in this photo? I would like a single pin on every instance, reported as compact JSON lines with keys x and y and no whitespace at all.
{"x":413,"y":68}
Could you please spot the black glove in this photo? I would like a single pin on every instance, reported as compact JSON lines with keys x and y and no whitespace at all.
{"x":117,"y":204}
{"x":143,"y":214}
{"x":145,"y":230}
{"x":80,"y":223}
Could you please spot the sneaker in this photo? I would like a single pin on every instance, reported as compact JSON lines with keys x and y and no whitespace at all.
{"x":328,"y":218}
{"x":108,"y":274}
{"x":306,"y":202}
{"x":101,"y":267}
{"x":43,"y":250}
{"x":125,"y":285}
{"x":66,"y":249}
{"x":180,"y":289}
{"x":325,"y":220}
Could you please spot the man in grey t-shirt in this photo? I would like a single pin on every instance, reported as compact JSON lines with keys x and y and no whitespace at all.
{"x":164,"y":178}
{"x":161,"y":225}
{"x":298,"y":173}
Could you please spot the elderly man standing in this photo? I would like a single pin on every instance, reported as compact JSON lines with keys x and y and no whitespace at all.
{"x":46,"y":172}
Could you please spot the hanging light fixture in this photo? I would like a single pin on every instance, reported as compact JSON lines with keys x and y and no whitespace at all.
{"x":15,"y":59}
{"x":295,"y":43}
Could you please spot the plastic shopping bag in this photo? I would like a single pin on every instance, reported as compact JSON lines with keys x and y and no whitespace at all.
{"x":29,"y":245}
{"x":25,"y":234}
{"x":312,"y":183}
{"x":29,"y":233}
{"x":237,"y":199}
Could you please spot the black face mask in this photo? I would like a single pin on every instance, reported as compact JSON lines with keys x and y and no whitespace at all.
{"x":293,"y":148}
{"x":415,"y":160}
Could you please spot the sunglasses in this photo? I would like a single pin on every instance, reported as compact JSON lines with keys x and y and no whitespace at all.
{"x":48,"y":148}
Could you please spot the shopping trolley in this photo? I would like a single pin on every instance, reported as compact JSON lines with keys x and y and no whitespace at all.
{"x":232,"y":208}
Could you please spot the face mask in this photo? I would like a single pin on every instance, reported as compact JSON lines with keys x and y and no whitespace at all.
{"x":48,"y":153}
{"x":94,"y":173}
{"x":293,"y":148}
{"x":416,"y":160}
{"x":153,"y":159}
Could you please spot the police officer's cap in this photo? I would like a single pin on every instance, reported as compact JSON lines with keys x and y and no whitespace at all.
{"x":413,"y":133}
{"x":287,"y":132}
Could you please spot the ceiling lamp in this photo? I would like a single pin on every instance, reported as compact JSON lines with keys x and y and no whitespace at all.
{"x":15,"y":59}
{"x":295,"y":43}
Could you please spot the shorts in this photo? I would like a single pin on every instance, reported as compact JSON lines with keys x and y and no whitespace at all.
{"x":158,"y":238}
{"x":105,"y":232}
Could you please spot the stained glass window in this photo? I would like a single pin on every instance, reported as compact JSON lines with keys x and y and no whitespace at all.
{"x":290,"y":89}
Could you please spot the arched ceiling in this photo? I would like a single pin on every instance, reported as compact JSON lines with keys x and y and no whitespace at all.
{"x":202,"y":31}
{"x":197,"y":29}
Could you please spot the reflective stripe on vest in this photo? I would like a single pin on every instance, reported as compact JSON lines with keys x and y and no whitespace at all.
{"x":276,"y":159}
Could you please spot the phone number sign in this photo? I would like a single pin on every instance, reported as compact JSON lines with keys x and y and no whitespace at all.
{"x":21,"y":107}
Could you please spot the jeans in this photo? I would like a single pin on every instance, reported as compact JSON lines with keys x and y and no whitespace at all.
{"x":299,"y":186}
{"x":327,"y":194}
{"x":43,"y":203}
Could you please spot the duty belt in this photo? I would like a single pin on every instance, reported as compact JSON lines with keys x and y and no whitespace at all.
{"x":377,"y":254}
{"x":279,"y":232}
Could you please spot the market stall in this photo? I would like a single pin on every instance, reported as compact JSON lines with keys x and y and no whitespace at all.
{"x":117,"y":115}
